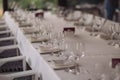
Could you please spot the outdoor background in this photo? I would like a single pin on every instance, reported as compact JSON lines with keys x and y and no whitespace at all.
{"x":46,"y":3}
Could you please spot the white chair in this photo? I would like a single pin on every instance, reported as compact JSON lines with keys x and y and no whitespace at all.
{"x":8,"y":48}
{"x":5,"y":61}
{"x":7,"y":38}
{"x":88,"y":19}
{"x":2,"y":22}
{"x":3,"y":27}
{"x":74,"y":16}
{"x":85,"y":22}
{"x":109,"y":29}
{"x":5,"y":32}
{"x":97,"y":25}
{"x":6,"y":41}
{"x":24,"y":75}
{"x":77,"y":15}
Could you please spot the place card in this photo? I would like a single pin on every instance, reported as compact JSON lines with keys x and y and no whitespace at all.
{"x":115,"y":61}
{"x":39,"y":14}
{"x":69,"y":31}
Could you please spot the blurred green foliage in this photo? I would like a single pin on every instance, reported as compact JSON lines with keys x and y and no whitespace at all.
{"x":52,"y":3}
{"x":0,"y":3}
{"x":36,"y":3}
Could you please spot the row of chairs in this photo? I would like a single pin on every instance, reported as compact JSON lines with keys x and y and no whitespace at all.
{"x":13,"y":65}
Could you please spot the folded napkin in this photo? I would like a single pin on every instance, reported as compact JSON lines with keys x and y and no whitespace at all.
{"x":79,"y":24}
{"x":47,"y":49}
{"x":29,"y":30}
{"x":39,"y":39}
{"x":62,"y":64}
{"x":104,"y":36}
{"x":25,"y":24}
{"x":89,"y":29}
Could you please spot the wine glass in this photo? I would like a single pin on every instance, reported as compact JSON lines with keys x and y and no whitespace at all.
{"x":79,"y":50}
{"x":117,"y":72}
{"x":117,"y":36}
{"x":79,"y":53}
{"x":68,"y":54}
{"x":112,"y":34}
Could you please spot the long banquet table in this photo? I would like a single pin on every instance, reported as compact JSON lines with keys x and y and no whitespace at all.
{"x":97,"y":59}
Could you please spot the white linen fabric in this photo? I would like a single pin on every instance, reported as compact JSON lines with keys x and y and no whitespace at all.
{"x":95,"y":63}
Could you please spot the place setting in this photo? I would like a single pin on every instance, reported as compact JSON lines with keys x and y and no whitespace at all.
{"x":36,"y":38}
{"x":69,"y":59}
{"x":49,"y":50}
{"x":62,"y":64}
{"x":29,"y":30}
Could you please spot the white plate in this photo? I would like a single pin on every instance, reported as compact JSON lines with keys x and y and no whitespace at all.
{"x":61,"y":64}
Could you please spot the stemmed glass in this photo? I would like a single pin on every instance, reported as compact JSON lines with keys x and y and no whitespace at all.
{"x":112,"y":34}
{"x":95,"y":28}
{"x":57,"y":41}
{"x":79,"y":53}
{"x":118,"y":37}
{"x":117,"y":72}
{"x":68,"y":56}
{"x":79,"y":50}
{"x":73,"y":52}
{"x":117,"y":43}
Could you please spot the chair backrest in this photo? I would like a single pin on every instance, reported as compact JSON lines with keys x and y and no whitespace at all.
{"x":24,"y":75}
{"x":2,"y":49}
{"x":9,"y":53}
{"x":8,"y":47}
{"x":15,"y":64}
{"x":77,"y":15}
{"x":117,"y":30}
{"x":7,"y":41}
{"x":73,"y":15}
{"x":87,"y":19}
{"x":110,"y":27}
{"x":2,"y":22}
{"x":5,"y":32}
{"x":98,"y":22}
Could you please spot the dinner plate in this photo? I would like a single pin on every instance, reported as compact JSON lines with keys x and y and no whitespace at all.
{"x":49,"y":50}
{"x":35,"y":40}
{"x":104,"y":36}
{"x":61,"y":64}
{"x":29,"y":30}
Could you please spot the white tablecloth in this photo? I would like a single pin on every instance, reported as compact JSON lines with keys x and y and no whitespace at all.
{"x":33,"y":58}
{"x":98,"y":52}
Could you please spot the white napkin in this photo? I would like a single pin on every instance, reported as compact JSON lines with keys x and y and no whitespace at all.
{"x":39,"y":39}
{"x":47,"y":49}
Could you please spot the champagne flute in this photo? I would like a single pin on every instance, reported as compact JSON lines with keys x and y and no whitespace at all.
{"x":112,"y":34}
{"x":80,"y":50}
